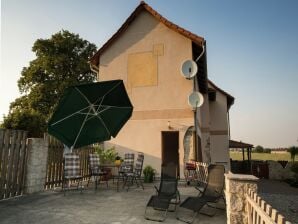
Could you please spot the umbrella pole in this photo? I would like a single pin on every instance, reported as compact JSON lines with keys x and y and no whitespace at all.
{"x":66,"y":150}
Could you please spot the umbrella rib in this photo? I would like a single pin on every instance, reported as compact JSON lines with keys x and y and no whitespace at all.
{"x":77,"y":112}
{"x":91,"y":105}
{"x":115,"y":107}
{"x":102,"y":97}
{"x":104,"y":125}
{"x":112,"y":89}
{"x":81,"y":127}
{"x":99,"y":113}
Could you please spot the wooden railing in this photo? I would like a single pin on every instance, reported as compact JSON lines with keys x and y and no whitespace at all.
{"x":259,"y":212}
{"x":13,"y":154}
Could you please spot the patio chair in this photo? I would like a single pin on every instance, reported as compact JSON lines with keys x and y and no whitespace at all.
{"x":166,"y":194}
{"x":125,"y":167}
{"x":212,"y":193}
{"x":72,"y":172}
{"x":95,"y":170}
{"x":135,"y":176}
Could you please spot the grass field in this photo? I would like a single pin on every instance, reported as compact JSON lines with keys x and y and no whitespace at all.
{"x":262,"y":156}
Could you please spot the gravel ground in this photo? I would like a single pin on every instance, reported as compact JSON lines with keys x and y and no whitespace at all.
{"x":280,"y":196}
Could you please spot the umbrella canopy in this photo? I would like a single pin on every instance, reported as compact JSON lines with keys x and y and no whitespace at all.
{"x":90,"y":113}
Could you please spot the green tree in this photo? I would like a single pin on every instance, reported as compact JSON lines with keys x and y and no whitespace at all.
{"x":293,"y":150}
{"x":259,"y":149}
{"x":61,"y":61}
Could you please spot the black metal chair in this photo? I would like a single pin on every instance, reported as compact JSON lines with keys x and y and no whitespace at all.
{"x":95,"y":170}
{"x":211,"y":194}
{"x":167,"y":194}
{"x":72,"y":172}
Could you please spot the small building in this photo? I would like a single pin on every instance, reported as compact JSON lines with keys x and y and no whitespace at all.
{"x":147,"y":53}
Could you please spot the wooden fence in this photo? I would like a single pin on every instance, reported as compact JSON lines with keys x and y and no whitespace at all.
{"x":13,"y":158}
{"x":259,"y":212}
{"x":54,"y":174}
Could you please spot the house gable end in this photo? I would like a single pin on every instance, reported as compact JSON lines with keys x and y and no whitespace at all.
{"x":143,"y":6}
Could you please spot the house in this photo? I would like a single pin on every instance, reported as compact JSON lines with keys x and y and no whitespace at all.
{"x":147,"y":53}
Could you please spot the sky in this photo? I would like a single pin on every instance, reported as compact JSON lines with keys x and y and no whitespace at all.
{"x":252,"y":51}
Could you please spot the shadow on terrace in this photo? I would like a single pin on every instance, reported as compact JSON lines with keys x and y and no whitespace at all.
{"x":104,"y":205}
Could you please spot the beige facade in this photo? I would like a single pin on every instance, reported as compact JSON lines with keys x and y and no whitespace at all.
{"x":147,"y":56}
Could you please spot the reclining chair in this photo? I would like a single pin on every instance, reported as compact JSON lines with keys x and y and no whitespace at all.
{"x":167,"y":193}
{"x":125,"y":168}
{"x":135,"y":175}
{"x":72,"y":172}
{"x":95,"y":169}
{"x":211,"y":194}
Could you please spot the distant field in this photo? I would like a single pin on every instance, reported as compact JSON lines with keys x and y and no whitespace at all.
{"x":262,"y":156}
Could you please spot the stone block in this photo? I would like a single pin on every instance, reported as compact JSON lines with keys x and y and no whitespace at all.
{"x":236,"y":203}
{"x":236,"y":218}
{"x":236,"y":187}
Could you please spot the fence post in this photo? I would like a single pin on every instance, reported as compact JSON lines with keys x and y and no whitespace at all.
{"x":36,"y":165}
{"x":237,"y":186}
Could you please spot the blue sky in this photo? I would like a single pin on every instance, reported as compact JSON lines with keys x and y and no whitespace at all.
{"x":252,"y":49}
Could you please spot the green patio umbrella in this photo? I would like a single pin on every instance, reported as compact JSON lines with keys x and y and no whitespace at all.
{"x":90,"y":113}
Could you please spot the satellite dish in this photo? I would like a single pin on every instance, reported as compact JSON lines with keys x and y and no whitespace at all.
{"x":195,"y":99}
{"x":189,"y":69}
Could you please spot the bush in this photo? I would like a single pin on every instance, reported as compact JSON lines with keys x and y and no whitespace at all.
{"x":258,"y":149}
{"x":293,"y":151}
{"x":267,"y":150}
{"x":149,"y":173}
{"x":106,"y":155}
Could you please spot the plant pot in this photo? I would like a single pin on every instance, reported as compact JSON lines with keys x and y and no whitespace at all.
{"x":117,"y":162}
{"x":148,"y":178}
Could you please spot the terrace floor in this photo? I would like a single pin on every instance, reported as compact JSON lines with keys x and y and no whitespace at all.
{"x":100,"y":206}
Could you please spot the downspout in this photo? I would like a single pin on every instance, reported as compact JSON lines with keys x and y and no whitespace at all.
{"x":195,"y":86}
{"x":203,"y":51}
{"x":229,"y":133}
{"x":94,"y":69}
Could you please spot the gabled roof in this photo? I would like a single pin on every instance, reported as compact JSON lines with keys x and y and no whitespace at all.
{"x":230,"y":98}
{"x":144,"y":6}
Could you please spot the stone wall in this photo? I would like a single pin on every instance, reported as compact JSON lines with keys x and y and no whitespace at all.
{"x":36,"y":165}
{"x":236,"y":187}
{"x":277,"y":172}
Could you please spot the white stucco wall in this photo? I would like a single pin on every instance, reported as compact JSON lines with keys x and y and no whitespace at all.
{"x":219,"y":139}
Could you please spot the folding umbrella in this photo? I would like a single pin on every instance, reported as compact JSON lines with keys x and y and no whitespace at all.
{"x":90,"y":113}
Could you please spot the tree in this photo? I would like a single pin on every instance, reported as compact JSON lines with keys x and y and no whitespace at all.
{"x":259,"y":149}
{"x":61,"y":61}
{"x":293,"y":150}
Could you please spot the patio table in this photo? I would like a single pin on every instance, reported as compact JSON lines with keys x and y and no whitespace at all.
{"x":116,"y":174}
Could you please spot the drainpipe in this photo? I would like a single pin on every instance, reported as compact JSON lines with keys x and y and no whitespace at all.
{"x":195,"y":109}
{"x":229,"y":125}
{"x":203,"y":51}
{"x":94,"y":69}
